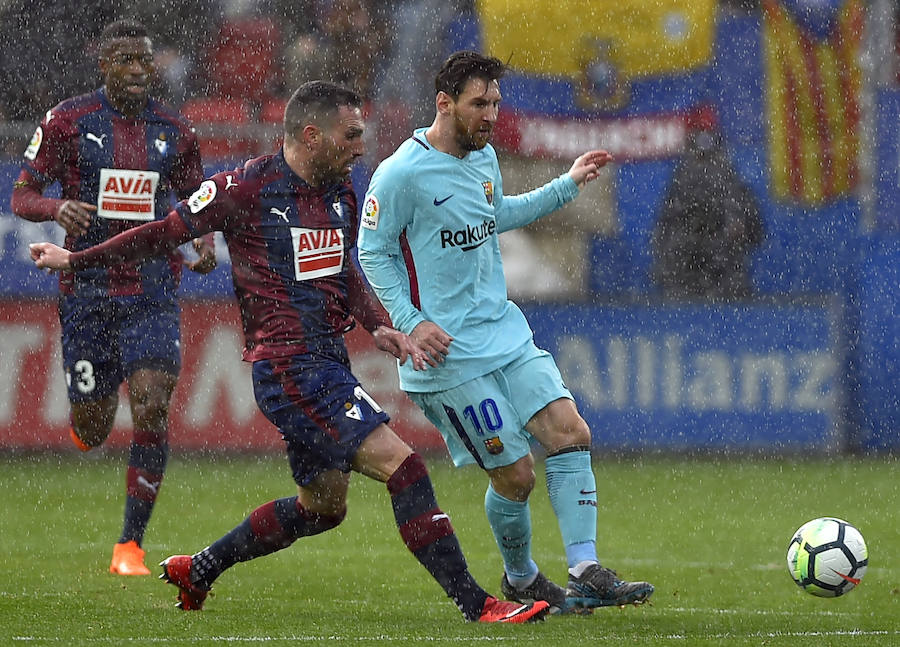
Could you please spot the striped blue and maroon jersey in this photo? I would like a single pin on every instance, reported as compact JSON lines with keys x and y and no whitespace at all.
{"x":291,"y":248}
{"x":129,"y":168}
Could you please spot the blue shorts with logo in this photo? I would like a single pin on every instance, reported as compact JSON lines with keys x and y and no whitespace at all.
{"x":483,"y":420}
{"x":106,"y":339}
{"x":320,"y":409}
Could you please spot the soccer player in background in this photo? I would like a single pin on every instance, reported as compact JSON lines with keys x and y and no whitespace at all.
{"x":428,"y":245}
{"x":290,"y":221}
{"x":118,"y":155}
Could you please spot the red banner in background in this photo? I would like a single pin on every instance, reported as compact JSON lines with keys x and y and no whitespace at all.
{"x":213,"y":406}
{"x":627,"y":138}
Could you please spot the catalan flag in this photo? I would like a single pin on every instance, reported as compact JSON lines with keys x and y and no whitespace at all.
{"x":813,"y":83}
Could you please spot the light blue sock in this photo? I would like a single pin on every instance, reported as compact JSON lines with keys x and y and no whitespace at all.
{"x":511,"y":523}
{"x":573,"y":494}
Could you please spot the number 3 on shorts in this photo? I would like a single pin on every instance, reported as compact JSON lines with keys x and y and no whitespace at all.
{"x":84,"y":376}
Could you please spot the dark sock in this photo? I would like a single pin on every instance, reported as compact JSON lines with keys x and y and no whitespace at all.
{"x":146,"y":467}
{"x":271,"y":527}
{"x":428,"y":534}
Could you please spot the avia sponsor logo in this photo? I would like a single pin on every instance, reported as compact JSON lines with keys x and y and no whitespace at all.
{"x":470,"y":237}
{"x":317,"y":252}
{"x":126,"y":194}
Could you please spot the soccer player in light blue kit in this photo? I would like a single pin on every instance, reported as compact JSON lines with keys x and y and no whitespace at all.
{"x":428,"y":246}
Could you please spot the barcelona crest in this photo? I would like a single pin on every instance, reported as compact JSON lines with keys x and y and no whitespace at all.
{"x":494,"y":446}
{"x":488,"y":191}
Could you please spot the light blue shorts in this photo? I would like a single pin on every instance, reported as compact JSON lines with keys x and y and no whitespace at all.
{"x":483,"y":420}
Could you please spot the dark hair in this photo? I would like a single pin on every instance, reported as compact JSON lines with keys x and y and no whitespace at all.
{"x":315,"y":102}
{"x":465,"y":65}
{"x":121,"y":29}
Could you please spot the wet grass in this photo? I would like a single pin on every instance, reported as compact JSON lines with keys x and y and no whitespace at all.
{"x":710,"y":534}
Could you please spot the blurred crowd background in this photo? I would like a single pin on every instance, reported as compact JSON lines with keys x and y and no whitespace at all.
{"x":230,"y":65}
{"x":757,"y":142}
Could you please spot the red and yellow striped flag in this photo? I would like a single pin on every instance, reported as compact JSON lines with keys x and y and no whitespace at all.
{"x":812,"y":102}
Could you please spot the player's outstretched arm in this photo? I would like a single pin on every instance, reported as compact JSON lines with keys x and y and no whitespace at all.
{"x":47,"y":256}
{"x":587,"y":167}
{"x":155,"y":238}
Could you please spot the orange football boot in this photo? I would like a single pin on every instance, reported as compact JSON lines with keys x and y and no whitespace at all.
{"x":128,"y":559}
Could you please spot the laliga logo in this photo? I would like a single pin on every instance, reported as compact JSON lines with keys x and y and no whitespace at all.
{"x":370,"y":213}
{"x":202,"y":196}
{"x":35,"y":144}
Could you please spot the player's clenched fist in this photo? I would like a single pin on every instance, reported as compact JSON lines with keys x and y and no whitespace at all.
{"x":48,"y":256}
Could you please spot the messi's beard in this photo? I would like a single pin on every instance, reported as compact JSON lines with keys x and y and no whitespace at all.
{"x":465,"y":139}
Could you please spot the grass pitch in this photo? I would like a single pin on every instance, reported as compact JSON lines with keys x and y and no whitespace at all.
{"x":710,"y":534}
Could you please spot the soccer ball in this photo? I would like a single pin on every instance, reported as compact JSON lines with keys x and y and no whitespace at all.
{"x":827,"y":557}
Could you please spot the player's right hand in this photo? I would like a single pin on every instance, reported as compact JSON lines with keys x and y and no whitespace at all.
{"x":587,"y":167}
{"x":433,"y":340}
{"x":47,"y":256}
{"x":74,"y":216}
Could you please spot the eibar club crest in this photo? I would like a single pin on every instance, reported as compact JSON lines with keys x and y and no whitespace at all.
{"x":161,"y":144}
{"x":488,"y":191}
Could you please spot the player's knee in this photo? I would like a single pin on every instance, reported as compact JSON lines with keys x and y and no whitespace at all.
{"x":335,"y":520}
{"x":150,"y":408}
{"x":579,"y":432}
{"x":516,"y":481}
{"x":573,"y":432}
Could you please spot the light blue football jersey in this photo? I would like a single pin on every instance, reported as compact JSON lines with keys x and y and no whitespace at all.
{"x":428,"y":245}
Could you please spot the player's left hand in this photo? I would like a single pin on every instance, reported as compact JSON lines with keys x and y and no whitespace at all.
{"x":206,"y":257}
{"x":48,"y":256}
{"x":587,"y":167}
{"x":400,"y":346}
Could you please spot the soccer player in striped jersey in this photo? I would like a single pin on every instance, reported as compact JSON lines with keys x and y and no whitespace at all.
{"x":290,"y":221}
{"x":428,"y":245}
{"x":117,"y":155}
